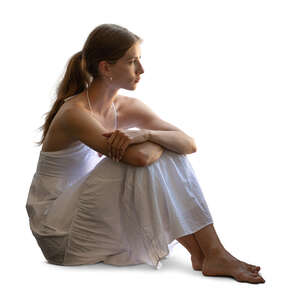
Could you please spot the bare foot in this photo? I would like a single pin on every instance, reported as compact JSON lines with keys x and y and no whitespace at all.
{"x":252,"y":268}
{"x":198,"y":261}
{"x":224,"y":264}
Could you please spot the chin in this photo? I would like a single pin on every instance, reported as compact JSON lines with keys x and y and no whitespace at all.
{"x":131,"y":87}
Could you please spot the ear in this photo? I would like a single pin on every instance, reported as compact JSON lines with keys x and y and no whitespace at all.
{"x":104,"y":68}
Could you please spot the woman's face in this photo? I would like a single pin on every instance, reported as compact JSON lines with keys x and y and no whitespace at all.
{"x":126,"y":72}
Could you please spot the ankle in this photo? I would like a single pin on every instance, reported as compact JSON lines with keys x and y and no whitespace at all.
{"x":197,"y":256}
{"x":215,"y":252}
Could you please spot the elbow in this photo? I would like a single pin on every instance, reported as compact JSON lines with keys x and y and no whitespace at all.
{"x":192,"y":147}
{"x":190,"y":151}
{"x":142,"y":160}
{"x":142,"y":163}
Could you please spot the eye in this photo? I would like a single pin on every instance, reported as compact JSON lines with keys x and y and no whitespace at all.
{"x":133,"y":61}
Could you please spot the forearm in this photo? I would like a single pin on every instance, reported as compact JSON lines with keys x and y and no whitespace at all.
{"x":135,"y":155}
{"x":176,"y":141}
{"x":150,"y":152}
{"x":142,"y":154}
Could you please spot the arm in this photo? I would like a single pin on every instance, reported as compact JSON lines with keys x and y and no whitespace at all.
{"x":152,"y":149}
{"x":173,"y":140}
{"x":82,"y":126}
{"x":149,"y":152}
{"x":159,"y":132}
{"x":139,"y":154}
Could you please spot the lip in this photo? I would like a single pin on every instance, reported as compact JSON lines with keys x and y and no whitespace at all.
{"x":137,"y":80}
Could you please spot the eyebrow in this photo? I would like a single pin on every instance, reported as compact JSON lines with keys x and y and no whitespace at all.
{"x":133,"y":57}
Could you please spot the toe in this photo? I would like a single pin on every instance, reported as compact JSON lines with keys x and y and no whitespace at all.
{"x":253,"y":268}
{"x":245,"y":275}
{"x":257,"y":278}
{"x":251,"y":277}
{"x":257,"y":268}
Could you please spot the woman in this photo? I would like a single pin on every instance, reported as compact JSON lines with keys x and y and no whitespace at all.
{"x":103,"y":193}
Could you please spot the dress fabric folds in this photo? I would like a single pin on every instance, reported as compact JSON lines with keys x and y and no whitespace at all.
{"x":84,"y":209}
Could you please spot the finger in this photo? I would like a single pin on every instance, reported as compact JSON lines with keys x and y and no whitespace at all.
{"x":107,"y":134}
{"x":109,"y":142}
{"x":113,"y":150}
{"x":124,"y":146}
{"x":120,"y":152}
{"x":115,"y":146}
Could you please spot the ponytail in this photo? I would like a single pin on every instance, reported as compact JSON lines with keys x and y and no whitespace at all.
{"x":75,"y":81}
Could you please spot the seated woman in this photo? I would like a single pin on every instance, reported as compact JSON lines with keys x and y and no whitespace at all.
{"x":105,"y":193}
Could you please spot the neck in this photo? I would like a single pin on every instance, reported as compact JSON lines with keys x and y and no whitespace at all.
{"x":101,"y":97}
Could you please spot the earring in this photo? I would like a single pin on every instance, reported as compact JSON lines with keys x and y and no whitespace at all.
{"x":111,"y":78}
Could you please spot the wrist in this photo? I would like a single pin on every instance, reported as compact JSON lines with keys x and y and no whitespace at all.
{"x":147,"y":134}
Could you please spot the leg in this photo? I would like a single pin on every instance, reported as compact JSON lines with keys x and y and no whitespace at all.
{"x":219,"y":262}
{"x":197,"y":255}
{"x":192,"y":246}
{"x":173,"y":197}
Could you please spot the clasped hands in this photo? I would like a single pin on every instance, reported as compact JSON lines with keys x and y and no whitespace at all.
{"x":119,"y":140}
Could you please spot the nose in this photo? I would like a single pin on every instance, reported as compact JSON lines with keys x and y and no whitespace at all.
{"x":141,"y":69}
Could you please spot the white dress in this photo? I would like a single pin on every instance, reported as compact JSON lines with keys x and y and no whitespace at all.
{"x":85,"y":209}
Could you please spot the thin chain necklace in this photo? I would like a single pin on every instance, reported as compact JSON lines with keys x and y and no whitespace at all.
{"x":90,"y":103}
{"x":99,"y":154}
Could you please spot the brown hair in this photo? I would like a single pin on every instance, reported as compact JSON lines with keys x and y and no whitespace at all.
{"x":107,"y":42}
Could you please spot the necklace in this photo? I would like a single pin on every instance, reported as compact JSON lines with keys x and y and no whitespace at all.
{"x":99,"y":154}
{"x":90,"y":103}
{"x":93,"y":112}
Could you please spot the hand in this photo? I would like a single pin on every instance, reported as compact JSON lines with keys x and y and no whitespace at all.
{"x":119,"y":140}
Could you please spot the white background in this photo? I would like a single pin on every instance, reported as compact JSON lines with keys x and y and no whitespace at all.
{"x":215,"y":69}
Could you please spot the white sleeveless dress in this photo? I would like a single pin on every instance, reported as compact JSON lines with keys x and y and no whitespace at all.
{"x":86,"y":209}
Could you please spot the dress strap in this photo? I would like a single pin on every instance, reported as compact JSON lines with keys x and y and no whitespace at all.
{"x":68,"y":98}
{"x":116,"y":117}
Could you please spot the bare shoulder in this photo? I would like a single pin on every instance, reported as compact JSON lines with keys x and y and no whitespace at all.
{"x":75,"y":109}
{"x":123,"y":103}
{"x":76,"y":102}
{"x":134,"y":106}
{"x":75,"y":116}
{"x":126,"y":109}
{"x":140,"y":115}
{"x":134,"y":112}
